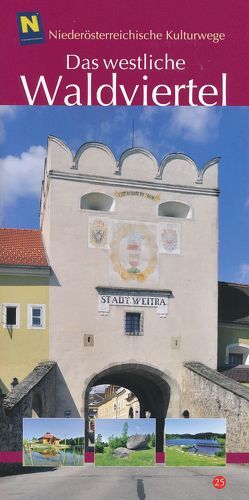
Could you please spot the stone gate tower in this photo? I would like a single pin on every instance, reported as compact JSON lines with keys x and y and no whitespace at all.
{"x":133,"y":249}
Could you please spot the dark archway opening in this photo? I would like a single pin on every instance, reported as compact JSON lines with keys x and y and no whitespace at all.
{"x":152,"y":391}
{"x":131,"y":413}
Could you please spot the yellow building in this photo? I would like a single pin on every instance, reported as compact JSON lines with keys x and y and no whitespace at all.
{"x":24,"y":301}
{"x":118,"y":403}
{"x":49,"y":438}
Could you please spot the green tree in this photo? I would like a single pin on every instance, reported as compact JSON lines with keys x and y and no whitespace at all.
{"x":151,"y":440}
{"x":117,"y":442}
{"x":99,"y":445}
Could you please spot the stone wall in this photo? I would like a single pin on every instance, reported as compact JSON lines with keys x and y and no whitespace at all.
{"x":35,"y":392}
{"x":209,"y":394}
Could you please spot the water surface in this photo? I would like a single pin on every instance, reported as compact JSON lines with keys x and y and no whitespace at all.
{"x":53,"y":458}
{"x":202,"y":446}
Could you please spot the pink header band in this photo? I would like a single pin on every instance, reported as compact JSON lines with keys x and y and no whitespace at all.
{"x":168,"y":28}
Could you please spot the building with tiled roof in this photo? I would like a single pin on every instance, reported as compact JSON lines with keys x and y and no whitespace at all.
{"x":133,"y":249}
{"x":22,"y":254}
{"x":49,"y":438}
{"x":24,"y":303}
{"x":118,"y":402}
{"x":233,"y":331}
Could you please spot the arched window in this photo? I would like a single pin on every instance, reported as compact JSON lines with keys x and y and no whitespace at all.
{"x":97,"y":201}
{"x":131,"y":414}
{"x":175,"y":209}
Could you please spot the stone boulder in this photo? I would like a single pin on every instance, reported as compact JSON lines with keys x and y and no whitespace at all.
{"x":137,"y":442}
{"x":121,"y":452}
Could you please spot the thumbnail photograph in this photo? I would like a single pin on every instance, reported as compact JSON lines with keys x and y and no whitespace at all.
{"x":53,"y":442}
{"x":195,"y":442}
{"x":125,"y":442}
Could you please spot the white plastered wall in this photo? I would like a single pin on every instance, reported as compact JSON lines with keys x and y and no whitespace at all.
{"x":78,"y":269}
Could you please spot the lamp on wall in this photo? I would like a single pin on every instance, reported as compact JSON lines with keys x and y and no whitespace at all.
{"x":14,"y":382}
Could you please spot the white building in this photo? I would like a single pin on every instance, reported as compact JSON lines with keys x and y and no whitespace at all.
{"x":133,"y":251}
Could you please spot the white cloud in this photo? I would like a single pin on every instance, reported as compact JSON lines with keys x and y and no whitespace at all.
{"x":21,"y":176}
{"x":121,"y":115}
{"x":105,"y":129}
{"x":5,"y":111}
{"x":142,"y":139}
{"x":243,"y":275}
{"x":148,"y":113}
{"x":195,"y":123}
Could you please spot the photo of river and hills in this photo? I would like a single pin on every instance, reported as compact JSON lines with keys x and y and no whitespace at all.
{"x":195,"y":442}
{"x":53,"y":442}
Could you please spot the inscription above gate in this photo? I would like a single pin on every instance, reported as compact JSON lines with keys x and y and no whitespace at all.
{"x":133,"y":298}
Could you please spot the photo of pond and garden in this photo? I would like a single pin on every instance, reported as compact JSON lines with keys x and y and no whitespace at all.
{"x":53,"y":442}
{"x":125,"y":442}
{"x":195,"y":442}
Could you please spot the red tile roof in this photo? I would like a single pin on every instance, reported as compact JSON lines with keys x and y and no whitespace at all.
{"x":22,"y":247}
{"x":48,"y":435}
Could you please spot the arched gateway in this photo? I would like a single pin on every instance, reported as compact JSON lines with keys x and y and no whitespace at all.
{"x":132,"y":246}
{"x":155,"y":390}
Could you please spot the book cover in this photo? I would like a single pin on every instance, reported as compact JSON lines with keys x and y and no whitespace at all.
{"x":124,"y":332}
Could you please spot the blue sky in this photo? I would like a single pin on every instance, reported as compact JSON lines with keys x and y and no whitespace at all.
{"x":59,"y":427}
{"x":200,"y":132}
{"x":112,"y":426}
{"x":194,"y":425}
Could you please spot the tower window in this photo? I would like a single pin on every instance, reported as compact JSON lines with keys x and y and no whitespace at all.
{"x":133,"y":323}
{"x":97,"y":201}
{"x":175,"y":209}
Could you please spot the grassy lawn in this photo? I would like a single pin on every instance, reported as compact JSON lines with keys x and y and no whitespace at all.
{"x":136,"y":458}
{"x":175,"y":457}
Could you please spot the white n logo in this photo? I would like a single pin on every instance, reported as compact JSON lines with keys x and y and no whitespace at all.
{"x":27,"y":24}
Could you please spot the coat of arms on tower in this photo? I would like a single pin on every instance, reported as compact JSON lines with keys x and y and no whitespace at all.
{"x":169,"y":238}
{"x":134,"y":251}
{"x":98,"y":233}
